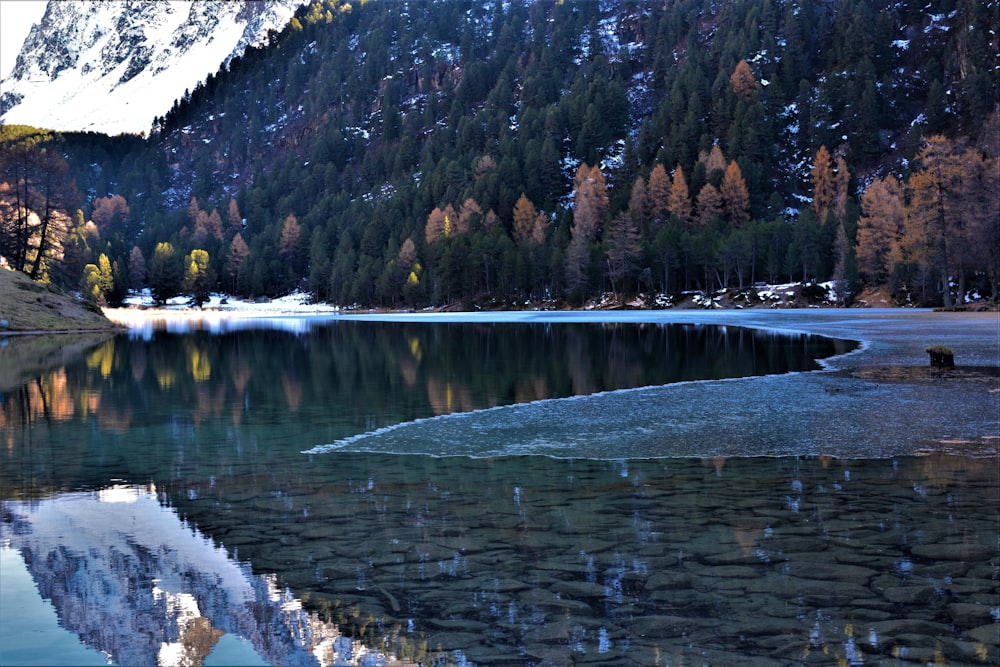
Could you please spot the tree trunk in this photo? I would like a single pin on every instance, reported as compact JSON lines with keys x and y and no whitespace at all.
{"x":961,"y":282}
{"x":37,"y":264}
{"x":941,"y":357}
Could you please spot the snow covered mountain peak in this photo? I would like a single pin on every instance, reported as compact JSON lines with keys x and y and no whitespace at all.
{"x":112,"y":66}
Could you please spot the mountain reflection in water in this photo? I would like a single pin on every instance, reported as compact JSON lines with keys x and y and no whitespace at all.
{"x":139,"y":584}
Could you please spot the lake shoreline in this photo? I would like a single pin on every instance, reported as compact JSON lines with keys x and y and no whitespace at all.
{"x":890,"y":338}
{"x":66,"y":314}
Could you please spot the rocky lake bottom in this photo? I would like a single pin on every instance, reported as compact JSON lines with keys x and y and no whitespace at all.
{"x":844,"y":516}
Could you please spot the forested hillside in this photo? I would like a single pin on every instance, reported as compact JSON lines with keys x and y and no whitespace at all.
{"x":491,"y":153}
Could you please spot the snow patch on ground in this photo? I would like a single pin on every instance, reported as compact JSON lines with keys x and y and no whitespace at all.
{"x":296,"y":302}
{"x":293,"y":313}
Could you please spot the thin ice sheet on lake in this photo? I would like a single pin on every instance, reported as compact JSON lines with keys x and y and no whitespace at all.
{"x":807,"y":414}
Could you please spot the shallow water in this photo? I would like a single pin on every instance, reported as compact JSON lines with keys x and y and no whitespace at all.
{"x":534,"y":560}
{"x":449,"y":512}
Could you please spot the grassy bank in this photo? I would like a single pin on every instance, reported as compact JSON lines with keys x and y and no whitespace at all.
{"x":29,"y":306}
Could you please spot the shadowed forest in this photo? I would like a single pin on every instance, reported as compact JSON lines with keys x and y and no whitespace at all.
{"x":489,"y":154}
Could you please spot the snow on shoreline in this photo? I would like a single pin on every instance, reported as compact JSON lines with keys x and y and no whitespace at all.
{"x":142,"y":305}
{"x":221,"y":313}
{"x":296,"y":302}
{"x":143,"y":317}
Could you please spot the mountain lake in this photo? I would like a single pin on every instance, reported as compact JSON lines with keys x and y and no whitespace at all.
{"x":611,"y":488}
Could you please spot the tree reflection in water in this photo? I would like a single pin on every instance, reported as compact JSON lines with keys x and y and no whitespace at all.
{"x":349,"y":377}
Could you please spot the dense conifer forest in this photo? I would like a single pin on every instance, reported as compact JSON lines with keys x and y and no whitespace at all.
{"x":487,"y":154}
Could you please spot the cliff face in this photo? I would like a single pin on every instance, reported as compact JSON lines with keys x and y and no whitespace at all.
{"x":111,"y":66}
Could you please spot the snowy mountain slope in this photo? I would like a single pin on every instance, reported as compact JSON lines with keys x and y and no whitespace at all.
{"x":111,"y":66}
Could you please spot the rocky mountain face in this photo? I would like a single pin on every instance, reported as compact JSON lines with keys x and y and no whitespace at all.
{"x":111,"y":66}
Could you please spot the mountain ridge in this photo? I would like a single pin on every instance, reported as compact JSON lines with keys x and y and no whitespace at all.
{"x":112,"y":66}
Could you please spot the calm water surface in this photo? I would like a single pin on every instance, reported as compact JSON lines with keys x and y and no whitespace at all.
{"x":158,"y":508}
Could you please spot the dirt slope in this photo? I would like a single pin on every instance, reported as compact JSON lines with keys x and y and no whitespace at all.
{"x":28,"y":306}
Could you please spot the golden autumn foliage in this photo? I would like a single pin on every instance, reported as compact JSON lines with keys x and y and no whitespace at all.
{"x":715,"y":160}
{"x":708,"y":205}
{"x":530,"y":226}
{"x":822,"y":182}
{"x":407,"y":256}
{"x":735,"y":197}
{"x":679,"y":199}
{"x":743,"y":81}
{"x":590,"y":212}
{"x":105,"y":209}
{"x":943,"y":220}
{"x":291,"y":232}
{"x":590,"y":201}
{"x":658,"y":194}
{"x":449,"y":222}
{"x":881,"y":229}
{"x":238,"y":252}
{"x":841,"y":182}
{"x":952,"y":208}
{"x":638,"y":201}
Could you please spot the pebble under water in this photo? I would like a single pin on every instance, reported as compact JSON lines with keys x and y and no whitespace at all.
{"x":538,"y":561}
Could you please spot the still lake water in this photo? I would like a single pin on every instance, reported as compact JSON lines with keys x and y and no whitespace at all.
{"x":242,"y":497}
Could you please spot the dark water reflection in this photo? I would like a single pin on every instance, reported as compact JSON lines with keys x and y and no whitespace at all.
{"x":157,"y":493}
{"x":201,"y":402}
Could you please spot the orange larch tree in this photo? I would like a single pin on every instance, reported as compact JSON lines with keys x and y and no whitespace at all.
{"x":288,"y":242}
{"x":944,"y":206}
{"x":715,"y":162}
{"x":590,"y":210}
{"x":735,"y":197}
{"x":679,"y":199}
{"x":709,"y":204}
{"x":880,"y":230}
{"x":638,"y":201}
{"x":658,"y":194}
{"x":530,"y":226}
{"x":822,"y":182}
{"x":743,"y":81}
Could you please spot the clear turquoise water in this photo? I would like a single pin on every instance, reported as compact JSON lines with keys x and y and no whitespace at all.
{"x":391,"y":493}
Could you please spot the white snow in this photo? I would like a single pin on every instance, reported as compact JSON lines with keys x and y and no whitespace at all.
{"x":220,"y":311}
{"x":16,"y":20}
{"x":87,"y":97}
{"x":219,"y":314}
{"x":616,"y":157}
